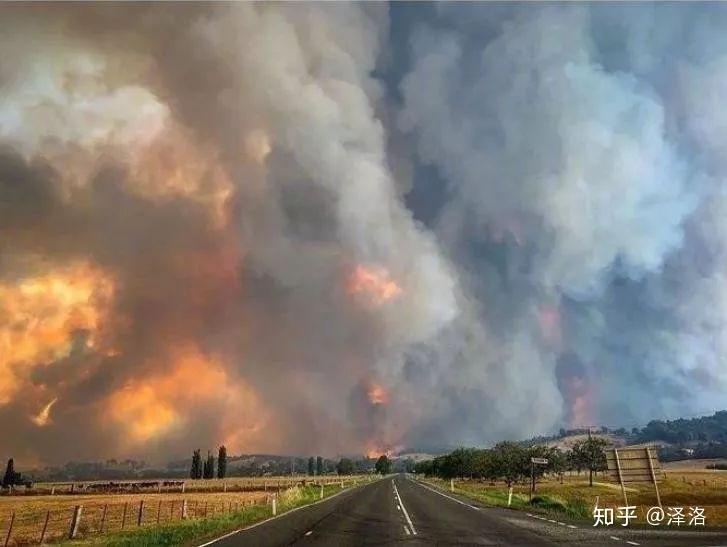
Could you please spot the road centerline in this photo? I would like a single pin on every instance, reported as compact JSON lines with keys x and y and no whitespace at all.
{"x":403,"y":509}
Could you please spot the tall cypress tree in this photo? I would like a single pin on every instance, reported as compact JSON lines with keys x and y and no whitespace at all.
{"x":196,"y":471}
{"x":209,"y":466}
{"x":222,"y":462}
{"x":319,"y":465}
{"x":311,"y":466}
{"x":9,"y":478}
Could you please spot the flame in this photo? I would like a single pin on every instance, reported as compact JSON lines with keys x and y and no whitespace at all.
{"x":43,"y":417}
{"x":374,"y":282}
{"x":38,"y":316}
{"x":378,"y":395}
{"x":375,"y":450}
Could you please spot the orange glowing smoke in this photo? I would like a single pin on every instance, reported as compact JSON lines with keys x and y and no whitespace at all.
{"x":38,"y":316}
{"x":374,"y":450}
{"x":550,"y":326}
{"x":378,"y":395}
{"x":174,"y":164}
{"x":578,"y":394}
{"x":158,"y":404}
{"x":373,"y":282}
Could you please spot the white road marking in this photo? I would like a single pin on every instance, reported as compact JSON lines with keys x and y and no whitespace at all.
{"x":561,"y":523}
{"x":281,"y":515}
{"x":633,"y":543}
{"x":309,"y":532}
{"x":398,"y":507}
{"x":551,"y":520}
{"x":446,"y":496}
{"x":408,"y":520}
{"x":571,"y":526}
{"x":615,"y":538}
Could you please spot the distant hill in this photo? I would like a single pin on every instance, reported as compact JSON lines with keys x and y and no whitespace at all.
{"x":706,"y":429}
{"x":683,"y":438}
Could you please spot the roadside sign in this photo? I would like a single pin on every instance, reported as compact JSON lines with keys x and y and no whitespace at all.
{"x":634,"y":464}
{"x":533,"y":462}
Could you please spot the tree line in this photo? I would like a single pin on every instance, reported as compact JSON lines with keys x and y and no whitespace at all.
{"x":510,"y":462}
{"x":316,"y":466}
{"x":206,"y":469}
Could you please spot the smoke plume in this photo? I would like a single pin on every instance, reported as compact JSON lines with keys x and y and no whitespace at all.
{"x":355,"y":228}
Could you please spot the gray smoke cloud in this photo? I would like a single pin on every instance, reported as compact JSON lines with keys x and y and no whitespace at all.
{"x":579,"y":149}
{"x":347,"y":228}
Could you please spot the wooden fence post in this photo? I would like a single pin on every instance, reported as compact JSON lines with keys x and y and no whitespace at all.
{"x":184,"y":509}
{"x":75,"y":521}
{"x":141,"y":513}
{"x":159,"y":510}
{"x":123,"y":517}
{"x":184,"y":484}
{"x":10,"y":528}
{"x":275,"y":505}
{"x":103,"y":517}
{"x":45,"y":527}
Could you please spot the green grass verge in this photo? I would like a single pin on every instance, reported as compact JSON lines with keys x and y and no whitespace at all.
{"x":575,"y":508}
{"x":193,"y":531}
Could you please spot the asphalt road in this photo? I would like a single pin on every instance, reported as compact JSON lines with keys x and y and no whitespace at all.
{"x":398,"y":510}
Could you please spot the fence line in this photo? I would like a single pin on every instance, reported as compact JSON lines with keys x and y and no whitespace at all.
{"x":38,"y":526}
{"x":35,"y":526}
{"x":230,"y":484}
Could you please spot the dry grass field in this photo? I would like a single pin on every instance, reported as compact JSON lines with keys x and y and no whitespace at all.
{"x":693,"y":465}
{"x":680,"y":488}
{"x":36,"y":515}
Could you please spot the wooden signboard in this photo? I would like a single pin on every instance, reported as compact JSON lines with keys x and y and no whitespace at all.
{"x":634,"y":464}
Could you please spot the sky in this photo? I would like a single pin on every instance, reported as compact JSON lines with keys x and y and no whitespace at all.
{"x":356,"y":228}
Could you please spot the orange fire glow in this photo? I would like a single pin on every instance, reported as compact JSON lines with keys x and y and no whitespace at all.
{"x":550,"y":326}
{"x":152,"y":406}
{"x":43,"y":417}
{"x":38,"y":316}
{"x":174,"y":165}
{"x":374,"y":450}
{"x":579,"y":394}
{"x":378,"y":395}
{"x":374,"y":282}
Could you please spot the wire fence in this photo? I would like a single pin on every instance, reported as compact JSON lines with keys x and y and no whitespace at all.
{"x":34,"y":527}
{"x":231,"y":484}
{"x":28,"y":525}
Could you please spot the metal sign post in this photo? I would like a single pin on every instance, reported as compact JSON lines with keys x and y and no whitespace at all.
{"x":533,"y":462}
